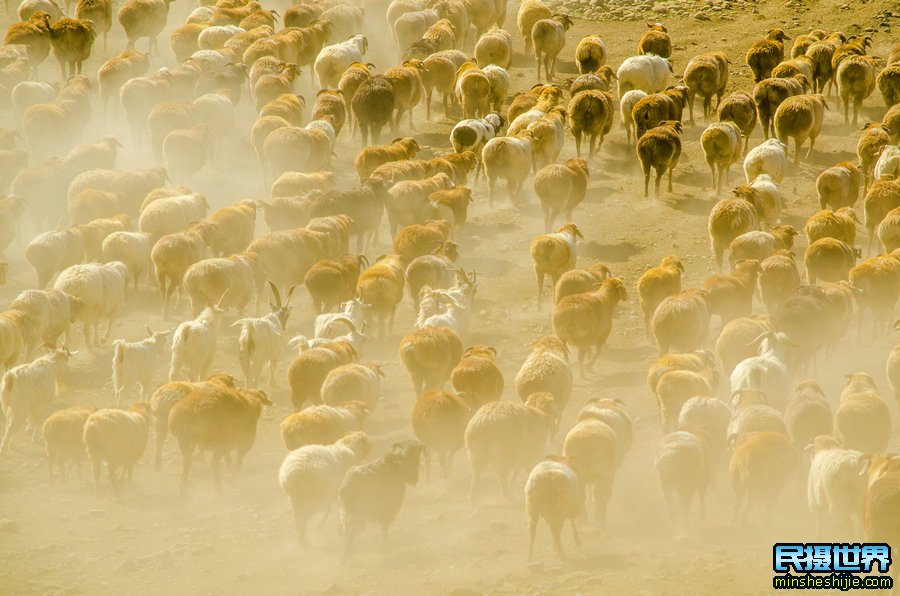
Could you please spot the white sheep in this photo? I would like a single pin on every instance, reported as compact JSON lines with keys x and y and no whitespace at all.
{"x":626,"y":106}
{"x":169,"y":215}
{"x":333,"y":60}
{"x":137,"y":362}
{"x":888,"y":164}
{"x":194,"y":344}
{"x":836,"y":485}
{"x":96,"y":291}
{"x":767,"y":372}
{"x":553,"y":493}
{"x":472,"y":133}
{"x":132,"y":248}
{"x":648,"y":72}
{"x":261,"y":339}
{"x":26,"y":393}
{"x":770,"y":201}
{"x":769,"y":157}
{"x":215,"y":36}
{"x":508,"y":158}
{"x":311,"y":475}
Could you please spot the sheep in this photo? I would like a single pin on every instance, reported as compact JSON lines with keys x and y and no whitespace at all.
{"x":322,"y":424}
{"x":63,"y":439}
{"x":708,"y":417}
{"x":891,"y":122}
{"x":546,"y":370}
{"x":434,"y":270}
{"x":590,"y":112}
{"x":770,"y":93}
{"x":683,"y":468}
{"x":554,"y":254}
{"x":332,"y":60}
{"x":561,"y":187}
{"x":353,"y":382}
{"x":297,"y":183}
{"x":769,"y":158}
{"x":673,"y":389}
{"x":372,"y":106}
{"x":539,"y":97}
{"x":51,"y":252}
{"x":760,"y":245}
{"x":173,"y":255}
{"x":27,"y":9}
{"x":706,"y":74}
{"x":27,"y":390}
{"x":593,"y":449}
{"x":553,"y":492}
{"x":439,"y":420}
{"x":29,"y":93}
{"x":494,"y":47}
{"x":766,"y":53}
{"x":888,"y":230}
{"x":807,"y":414}
{"x":96,"y":291}
{"x":333,"y":281}
{"x":649,"y":73}
{"x":411,"y":26}
{"x":438,"y":73}
{"x":509,"y":158}
{"x":739,"y":108}
{"x":878,"y":278}
{"x":838,"y":186}
{"x":760,"y":467}
{"x":194,"y":344}
{"x":239,"y":276}
{"x":473,"y":90}
{"x":46,"y":126}
{"x":477,"y":378}
{"x":529,"y":13}
{"x":34,"y":34}
{"x":888,"y":164}
{"x":311,"y":476}
{"x":118,"y":438}
{"x":136,"y":363}
{"x":429,"y":356}
{"x":681,"y":321}
{"x":626,"y":107}
{"x":143,"y":18}
{"x":882,"y":197}
{"x":369,"y":158}
{"x":270,"y":86}
{"x":855,"y":80}
{"x":800,"y":116}
{"x":133,"y":185}
{"x":374,"y":492}
{"x":802,"y":42}
{"x":655,"y":40}
{"x":731,"y":295}
{"x":879,"y":518}
{"x":590,"y":54}
{"x":172,"y":214}
{"x":736,"y":341}
{"x":600,"y":80}
{"x":653,"y":109}
{"x":509,"y":437}
{"x":32,"y":308}
{"x":306,"y":246}
{"x":548,"y":36}
{"x":766,"y":372}
{"x":577,"y":281}
{"x":829,"y":259}
{"x":660,"y":148}
{"x":701,"y":361}
{"x":309,"y":369}
{"x":585,"y":320}
{"x":93,"y":156}
{"x":381,"y":286}
{"x":721,"y":142}
{"x":12,"y":208}
{"x":657,"y":284}
{"x":862,"y":420}
{"x":218,"y":419}
{"x":330,"y":107}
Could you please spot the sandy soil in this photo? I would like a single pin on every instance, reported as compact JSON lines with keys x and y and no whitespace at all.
{"x":66,"y":540}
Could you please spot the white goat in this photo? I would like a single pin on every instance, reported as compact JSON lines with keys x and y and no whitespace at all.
{"x":334,"y":324}
{"x":888,"y":164}
{"x":262,"y":339}
{"x":837,"y":484}
{"x":354,"y":337}
{"x":767,"y":372}
{"x":333,"y":60}
{"x":137,"y":362}
{"x":194,"y":343}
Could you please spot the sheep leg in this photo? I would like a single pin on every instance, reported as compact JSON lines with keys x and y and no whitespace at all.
{"x":540,"y":283}
{"x":593,"y":144}
{"x":671,"y":171}
{"x":187,"y":456}
{"x":646,"y":180}
{"x":812,"y":143}
{"x":161,"y":433}
{"x":217,"y":472}
{"x":300,"y":523}
{"x":532,"y":532}
{"x":577,"y":135}
{"x":857,"y":106}
{"x":659,"y":173}
{"x":537,"y":58}
{"x":846,"y":103}
{"x":715,"y":179}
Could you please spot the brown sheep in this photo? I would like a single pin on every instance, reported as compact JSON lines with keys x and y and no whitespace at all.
{"x":322,"y":425}
{"x":561,"y":188}
{"x":554,"y":254}
{"x":406,"y":83}
{"x":707,"y":75}
{"x":760,"y":467}
{"x":477,"y":378}
{"x":891,"y":122}
{"x":369,"y":158}
{"x":99,"y":13}
{"x":874,"y":138}
{"x":119,"y":438}
{"x":143,"y":18}
{"x":801,"y":117}
{"x":63,"y":433}
{"x":862,"y":420}
{"x":578,"y":281}
{"x":838,"y":186}
{"x":855,"y":81}
{"x":373,"y":105}
{"x":332,"y":281}
{"x":766,"y":53}
{"x":590,"y":55}
{"x":768,"y":95}
{"x":590,"y":112}
{"x":681,"y":321}
{"x":217,"y":419}
{"x":829,"y":259}
{"x":802,"y":42}
{"x":439,"y":420}
{"x":656,"y":284}
{"x":548,"y":36}
{"x":429,"y":356}
{"x":381,"y":285}
{"x":34,"y":33}
{"x":655,"y":40}
{"x":417,"y":240}
{"x":653,"y":109}
{"x":839,"y":224}
{"x":879,"y":279}
{"x":883,"y":196}
{"x":739,"y":108}
{"x":660,"y":148}
{"x":585,"y":320}
{"x":731,"y":296}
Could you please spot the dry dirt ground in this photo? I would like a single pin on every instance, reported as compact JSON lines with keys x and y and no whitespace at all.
{"x":66,"y":540}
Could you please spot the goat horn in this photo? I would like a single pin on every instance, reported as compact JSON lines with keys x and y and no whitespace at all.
{"x":275,"y":292}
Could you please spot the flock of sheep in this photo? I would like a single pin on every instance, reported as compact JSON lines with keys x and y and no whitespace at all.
{"x":100,"y":233}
